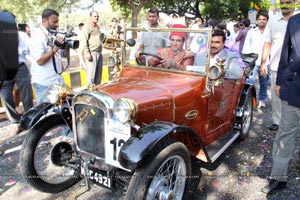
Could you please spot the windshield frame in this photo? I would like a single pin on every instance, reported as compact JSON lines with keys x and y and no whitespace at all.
{"x":204,"y":69}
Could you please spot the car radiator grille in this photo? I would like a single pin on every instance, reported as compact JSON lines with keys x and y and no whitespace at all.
{"x":90,"y":129}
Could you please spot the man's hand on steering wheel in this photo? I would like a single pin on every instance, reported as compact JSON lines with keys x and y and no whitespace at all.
{"x":141,"y":59}
{"x":168,"y":63}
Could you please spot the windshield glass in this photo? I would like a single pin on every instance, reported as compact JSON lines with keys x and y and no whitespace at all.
{"x":179,"y":49}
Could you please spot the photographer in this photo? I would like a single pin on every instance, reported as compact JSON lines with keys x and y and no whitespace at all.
{"x":47,"y":67}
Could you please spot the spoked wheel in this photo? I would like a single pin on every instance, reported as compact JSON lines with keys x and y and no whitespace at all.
{"x":45,"y":153}
{"x":246,"y":119}
{"x":164,"y":177}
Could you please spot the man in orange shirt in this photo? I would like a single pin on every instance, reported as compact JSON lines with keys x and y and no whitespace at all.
{"x":174,"y":56}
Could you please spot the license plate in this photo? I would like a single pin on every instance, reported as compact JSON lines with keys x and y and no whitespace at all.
{"x":99,"y":178}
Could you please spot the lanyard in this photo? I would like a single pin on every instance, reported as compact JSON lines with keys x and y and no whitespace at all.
{"x":53,"y":55}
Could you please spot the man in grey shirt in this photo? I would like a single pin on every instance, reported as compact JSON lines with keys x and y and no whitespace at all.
{"x":151,"y":41}
{"x":234,"y":65}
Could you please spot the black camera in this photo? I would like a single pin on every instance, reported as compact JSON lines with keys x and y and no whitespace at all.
{"x":67,"y":43}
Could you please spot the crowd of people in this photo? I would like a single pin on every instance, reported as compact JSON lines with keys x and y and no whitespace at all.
{"x":274,"y":40}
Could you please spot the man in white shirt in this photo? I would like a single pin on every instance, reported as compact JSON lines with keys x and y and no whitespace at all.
{"x":273,"y":39}
{"x":22,"y":79}
{"x":253,"y":44}
{"x":46,"y":67}
{"x":235,"y":32}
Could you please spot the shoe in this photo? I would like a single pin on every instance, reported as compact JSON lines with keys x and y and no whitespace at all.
{"x":274,"y":127}
{"x":274,"y":186}
{"x":261,"y":104}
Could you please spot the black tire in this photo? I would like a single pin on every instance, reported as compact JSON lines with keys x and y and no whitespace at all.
{"x":246,"y":120}
{"x":31,"y":164}
{"x":145,"y":178}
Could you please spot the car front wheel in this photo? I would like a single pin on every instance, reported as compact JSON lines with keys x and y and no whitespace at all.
{"x":45,"y":150}
{"x":164,"y":177}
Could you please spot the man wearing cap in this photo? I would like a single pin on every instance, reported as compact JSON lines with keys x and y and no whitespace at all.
{"x":174,"y":56}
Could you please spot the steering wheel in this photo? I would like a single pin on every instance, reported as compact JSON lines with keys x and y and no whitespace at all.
{"x":142,"y":61}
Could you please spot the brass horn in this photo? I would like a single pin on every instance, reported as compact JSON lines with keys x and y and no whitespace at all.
{"x":109,"y":43}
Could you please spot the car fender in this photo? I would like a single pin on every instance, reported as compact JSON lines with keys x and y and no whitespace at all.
{"x":151,"y":139}
{"x":34,"y":114}
{"x":46,"y":119}
{"x":248,"y":88}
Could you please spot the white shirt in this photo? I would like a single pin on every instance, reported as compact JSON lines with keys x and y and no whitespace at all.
{"x":45,"y":74}
{"x":254,"y":43}
{"x":274,"y":33}
{"x":23,"y":46}
{"x":233,"y":35}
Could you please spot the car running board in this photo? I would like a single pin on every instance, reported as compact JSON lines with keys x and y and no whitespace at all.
{"x":215,"y":149}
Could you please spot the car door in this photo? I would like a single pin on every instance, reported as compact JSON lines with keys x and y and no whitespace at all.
{"x":221,"y":108}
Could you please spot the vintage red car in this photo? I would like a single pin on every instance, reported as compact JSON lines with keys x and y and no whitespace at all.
{"x":141,"y":131}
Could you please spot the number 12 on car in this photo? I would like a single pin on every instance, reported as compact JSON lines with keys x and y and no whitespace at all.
{"x":116,"y":134}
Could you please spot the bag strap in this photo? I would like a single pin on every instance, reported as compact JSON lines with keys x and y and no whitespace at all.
{"x":68,"y":62}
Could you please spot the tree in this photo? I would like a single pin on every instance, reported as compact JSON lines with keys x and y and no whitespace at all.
{"x":28,"y":8}
{"x":221,"y":10}
{"x":179,"y":7}
{"x":19,"y":8}
{"x":135,"y":6}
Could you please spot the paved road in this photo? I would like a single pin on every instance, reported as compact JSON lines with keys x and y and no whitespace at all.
{"x":239,"y":173}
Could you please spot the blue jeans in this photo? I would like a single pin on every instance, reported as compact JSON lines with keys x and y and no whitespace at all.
{"x":263,"y":82}
{"x":40,"y":92}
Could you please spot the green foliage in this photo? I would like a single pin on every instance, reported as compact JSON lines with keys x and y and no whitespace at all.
{"x":178,"y":7}
{"x":29,"y":8}
{"x":220,"y":10}
{"x":21,"y":9}
{"x":130,"y":6}
{"x":134,"y":10}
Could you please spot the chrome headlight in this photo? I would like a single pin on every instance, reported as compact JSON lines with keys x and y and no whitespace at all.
{"x":125,"y":110}
{"x":218,"y":70}
{"x":214,"y":72}
{"x":55,"y":94}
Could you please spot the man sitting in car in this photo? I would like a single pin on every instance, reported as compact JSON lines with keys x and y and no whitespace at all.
{"x":174,"y":57}
{"x":234,"y":65}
